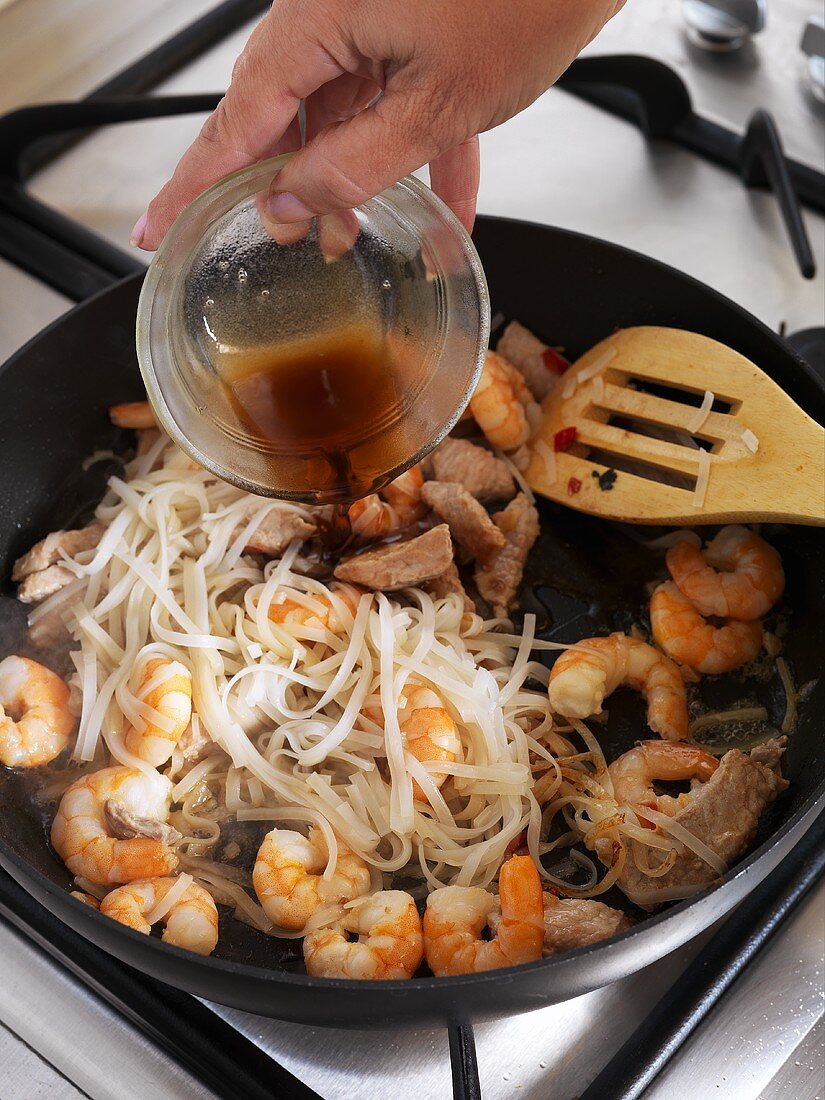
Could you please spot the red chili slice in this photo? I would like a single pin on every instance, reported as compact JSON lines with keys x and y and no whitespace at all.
{"x":573,"y":486}
{"x":554,"y":361}
{"x":564,"y":439}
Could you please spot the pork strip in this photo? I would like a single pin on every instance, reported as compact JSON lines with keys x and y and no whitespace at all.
{"x":447,"y":583}
{"x":50,"y":550}
{"x":498,"y":578}
{"x":45,"y":582}
{"x":469,"y":523}
{"x":278,"y":528}
{"x":483,"y":475}
{"x":400,"y":564}
{"x":524,"y":351}
{"x":572,"y":922}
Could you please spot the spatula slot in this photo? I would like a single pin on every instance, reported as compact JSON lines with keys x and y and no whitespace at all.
{"x":678,"y":436}
{"x":651,"y":471}
{"x":693,"y":398}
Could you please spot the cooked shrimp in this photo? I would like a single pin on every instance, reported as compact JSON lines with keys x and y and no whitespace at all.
{"x":497,"y":408}
{"x":289,"y":881}
{"x":634,"y":773}
{"x":372,"y":518}
{"x":581,"y":679}
{"x":110,"y":826}
{"x":322,"y":613}
{"x":35,"y":720}
{"x":390,"y":943}
{"x":688,"y":638}
{"x":190,"y":922}
{"x":404,"y":495}
{"x":429,"y":732}
{"x":456,"y":916}
{"x":167,"y":688}
{"x":133,"y":414}
{"x":750,"y":578}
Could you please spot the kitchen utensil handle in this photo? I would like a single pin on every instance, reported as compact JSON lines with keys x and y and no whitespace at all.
{"x":463,"y":1062}
{"x":714,"y":970}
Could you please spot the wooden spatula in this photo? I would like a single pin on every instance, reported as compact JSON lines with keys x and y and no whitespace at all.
{"x":766,"y":459}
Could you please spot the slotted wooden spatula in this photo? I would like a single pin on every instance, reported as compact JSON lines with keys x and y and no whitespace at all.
{"x":618,"y":440}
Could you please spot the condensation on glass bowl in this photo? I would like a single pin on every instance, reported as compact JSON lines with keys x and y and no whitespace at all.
{"x":220,"y":283}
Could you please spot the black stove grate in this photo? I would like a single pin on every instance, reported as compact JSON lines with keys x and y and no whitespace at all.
{"x":79,"y":263}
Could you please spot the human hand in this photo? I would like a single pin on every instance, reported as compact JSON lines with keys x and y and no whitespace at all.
{"x":448,"y":70}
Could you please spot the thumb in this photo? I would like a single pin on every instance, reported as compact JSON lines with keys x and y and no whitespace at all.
{"x":352,"y":161}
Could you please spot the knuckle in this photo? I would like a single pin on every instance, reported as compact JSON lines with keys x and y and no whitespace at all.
{"x":338,"y":187}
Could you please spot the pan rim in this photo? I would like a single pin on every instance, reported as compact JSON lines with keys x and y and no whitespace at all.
{"x":809,"y":809}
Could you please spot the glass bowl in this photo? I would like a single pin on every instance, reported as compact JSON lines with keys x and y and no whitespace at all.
{"x":233,"y":327}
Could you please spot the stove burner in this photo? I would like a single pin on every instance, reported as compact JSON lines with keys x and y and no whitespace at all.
{"x":722,"y":25}
{"x":813,"y":46}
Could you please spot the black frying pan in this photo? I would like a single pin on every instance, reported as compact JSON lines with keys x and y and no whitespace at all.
{"x":584,"y":577}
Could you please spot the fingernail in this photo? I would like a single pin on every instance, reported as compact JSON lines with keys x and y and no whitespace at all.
{"x":138,"y":230}
{"x":285,"y":207}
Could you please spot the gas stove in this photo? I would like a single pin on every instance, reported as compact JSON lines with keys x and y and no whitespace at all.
{"x":573,"y":159}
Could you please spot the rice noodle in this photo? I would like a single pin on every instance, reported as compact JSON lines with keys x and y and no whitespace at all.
{"x":750,"y":441}
{"x":518,"y":476}
{"x":170,"y":900}
{"x":572,"y":383}
{"x":721,"y":717}
{"x":791,"y":696}
{"x":548,"y":456}
{"x":285,"y":701}
{"x":702,"y":413}
{"x":680,"y":833}
{"x":702,"y":480}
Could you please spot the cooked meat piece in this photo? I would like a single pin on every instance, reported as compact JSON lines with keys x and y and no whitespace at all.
{"x":400,"y":564}
{"x":469,"y":523}
{"x":524,"y":351}
{"x":37,"y":586}
{"x":499,"y":577}
{"x":277,"y":530}
{"x":723,"y":813}
{"x":48,"y":551}
{"x":447,"y":583}
{"x":572,"y":922}
{"x":125,"y":825}
{"x":576,"y":922}
{"x":482,"y":474}
{"x":770,"y":754}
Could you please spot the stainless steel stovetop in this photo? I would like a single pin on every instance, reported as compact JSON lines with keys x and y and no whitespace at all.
{"x":564,"y":162}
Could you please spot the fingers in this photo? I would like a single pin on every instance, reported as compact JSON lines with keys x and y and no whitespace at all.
{"x":342,"y":98}
{"x":455,"y":176}
{"x":249,"y":122}
{"x":350,"y":162}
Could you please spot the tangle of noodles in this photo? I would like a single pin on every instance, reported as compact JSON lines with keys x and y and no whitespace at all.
{"x":298,"y":707}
